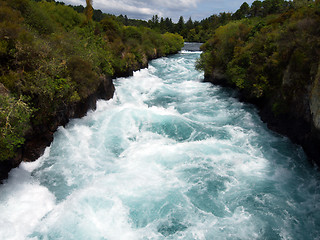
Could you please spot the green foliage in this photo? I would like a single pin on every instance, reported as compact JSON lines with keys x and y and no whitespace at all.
{"x":173,"y":42}
{"x":34,"y":16}
{"x":112,"y":29}
{"x":50,"y":53}
{"x":244,"y":11}
{"x":201,"y":31}
{"x":277,"y":55}
{"x":132,"y":33}
{"x":82,"y":75}
{"x":14,"y":122}
{"x":61,"y":15}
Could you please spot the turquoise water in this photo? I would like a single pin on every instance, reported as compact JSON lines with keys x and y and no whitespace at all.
{"x":168,"y":158}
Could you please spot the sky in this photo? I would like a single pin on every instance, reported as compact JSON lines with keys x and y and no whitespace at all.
{"x":144,"y":9}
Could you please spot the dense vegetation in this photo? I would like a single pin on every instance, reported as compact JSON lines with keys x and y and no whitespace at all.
{"x":52,"y":56}
{"x":273,"y":57}
{"x":201,"y":31}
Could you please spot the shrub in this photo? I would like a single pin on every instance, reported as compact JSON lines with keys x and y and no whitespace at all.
{"x":82,"y":75}
{"x":62,"y":15}
{"x":14,"y":123}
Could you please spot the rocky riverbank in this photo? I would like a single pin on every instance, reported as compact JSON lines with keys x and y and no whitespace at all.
{"x":301,"y":120}
{"x":40,"y":136}
{"x":274,"y":62}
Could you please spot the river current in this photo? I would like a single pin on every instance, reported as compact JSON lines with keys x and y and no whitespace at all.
{"x":169,"y":157}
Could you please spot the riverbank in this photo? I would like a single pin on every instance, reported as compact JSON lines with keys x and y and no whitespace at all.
{"x":293,"y":124}
{"x":274,"y":62}
{"x":41,"y":136}
{"x":55,"y":63}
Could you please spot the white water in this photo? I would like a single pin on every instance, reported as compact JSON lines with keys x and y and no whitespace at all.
{"x":168,"y":158}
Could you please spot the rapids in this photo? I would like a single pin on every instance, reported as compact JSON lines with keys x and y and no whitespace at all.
{"x":169,"y":157}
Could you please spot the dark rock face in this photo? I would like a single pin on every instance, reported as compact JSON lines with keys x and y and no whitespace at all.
{"x":217,"y":77}
{"x":301,"y":120}
{"x":42,"y":135}
{"x":297,"y":129}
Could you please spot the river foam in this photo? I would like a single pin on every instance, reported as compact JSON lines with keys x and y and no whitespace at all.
{"x":169,"y":157}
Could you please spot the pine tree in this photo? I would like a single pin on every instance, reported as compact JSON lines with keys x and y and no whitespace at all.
{"x":180,"y":25}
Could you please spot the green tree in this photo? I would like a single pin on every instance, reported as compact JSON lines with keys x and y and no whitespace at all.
{"x":50,"y":56}
{"x":169,"y":25}
{"x":189,"y":24}
{"x":256,"y":9}
{"x":180,"y":25}
{"x":242,"y":12}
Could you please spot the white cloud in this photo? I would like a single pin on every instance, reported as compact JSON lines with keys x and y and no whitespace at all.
{"x":144,"y":9}
{"x":175,"y":4}
{"x":141,"y":8}
{"x":125,"y":7}
{"x":75,"y":2}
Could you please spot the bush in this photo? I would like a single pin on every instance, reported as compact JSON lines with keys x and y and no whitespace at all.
{"x":14,"y":123}
{"x":132,"y":33}
{"x":82,"y":75}
{"x":62,"y":15}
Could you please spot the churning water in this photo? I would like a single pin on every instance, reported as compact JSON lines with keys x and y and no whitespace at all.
{"x":168,"y":158}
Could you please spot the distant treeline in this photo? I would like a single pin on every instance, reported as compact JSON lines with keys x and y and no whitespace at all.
{"x":201,"y":31}
{"x":52,"y":56}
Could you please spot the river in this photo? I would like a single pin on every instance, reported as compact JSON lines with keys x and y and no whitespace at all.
{"x":169,"y":157}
